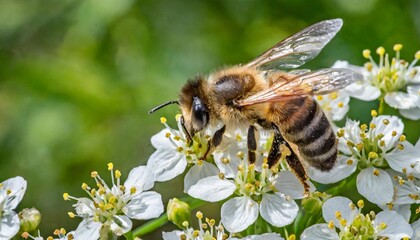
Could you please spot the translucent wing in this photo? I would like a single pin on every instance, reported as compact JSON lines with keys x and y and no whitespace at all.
{"x":299,"y":48}
{"x":319,"y":82}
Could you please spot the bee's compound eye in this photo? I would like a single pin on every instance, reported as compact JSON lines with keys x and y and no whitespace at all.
{"x":200,"y":115}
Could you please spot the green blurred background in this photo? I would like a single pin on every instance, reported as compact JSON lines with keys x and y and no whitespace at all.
{"x":78,"y":77}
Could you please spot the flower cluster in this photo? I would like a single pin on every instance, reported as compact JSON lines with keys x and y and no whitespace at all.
{"x":110,"y":208}
{"x":395,"y":81}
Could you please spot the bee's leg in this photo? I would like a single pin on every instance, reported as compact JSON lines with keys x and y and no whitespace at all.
{"x":252,"y":144}
{"x":188,"y":135}
{"x":214,"y":142}
{"x":293,"y":160}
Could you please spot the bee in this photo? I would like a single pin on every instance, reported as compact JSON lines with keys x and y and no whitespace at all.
{"x":261,"y":94}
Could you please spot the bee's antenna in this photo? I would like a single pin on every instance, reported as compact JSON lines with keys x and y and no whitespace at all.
{"x":163,"y":105}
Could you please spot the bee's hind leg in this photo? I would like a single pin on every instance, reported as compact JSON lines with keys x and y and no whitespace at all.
{"x":293,"y":160}
{"x":252,"y":144}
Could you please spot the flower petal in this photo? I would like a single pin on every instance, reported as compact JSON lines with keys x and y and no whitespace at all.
{"x":342,"y":169}
{"x":167,"y":164}
{"x":212,"y":189}
{"x":160,"y":141}
{"x":142,"y":178}
{"x":174,"y":235}
{"x":319,"y":231}
{"x":341,"y":204}
{"x":375,"y":185}
{"x":88,"y":229}
{"x":405,"y":158}
{"x":84,"y":207}
{"x":265,"y":236}
{"x":9,"y":225}
{"x":416,"y":229}
{"x":17,"y":188}
{"x":146,"y":205}
{"x":400,"y":100}
{"x":278,"y":210}
{"x":238,"y":213}
{"x":286,"y":182}
{"x":197,"y":172}
{"x":363,"y":90}
{"x":395,"y":124}
{"x":120,"y":224}
{"x":412,"y":113}
{"x":397,"y":226}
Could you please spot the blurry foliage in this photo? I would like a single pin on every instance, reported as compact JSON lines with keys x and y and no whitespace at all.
{"x":78,"y":77}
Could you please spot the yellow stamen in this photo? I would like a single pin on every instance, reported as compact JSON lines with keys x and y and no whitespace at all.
{"x":110,"y":166}
{"x":94,"y":174}
{"x":66,"y":196}
{"x":360,"y":203}
{"x":349,"y":162}
{"x":417,"y":55}
{"x":71,"y":214}
{"x":199,"y":215}
{"x":366,"y":53}
{"x":340,"y":104}
{"x":84,"y":186}
{"x":117,"y":173}
{"x":373,"y":113}
{"x":331,"y":224}
{"x":380,"y":51}
{"x":163,"y":120}
{"x":376,"y":172}
{"x":398,"y":47}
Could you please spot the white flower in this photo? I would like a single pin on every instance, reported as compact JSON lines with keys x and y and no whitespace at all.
{"x":372,"y":149}
{"x":109,"y":209}
{"x":335,"y":105}
{"x":265,"y":193}
{"x":209,"y":230}
{"x":61,"y":234}
{"x":342,"y":215}
{"x":11,"y":193}
{"x":174,"y":151}
{"x":396,"y":81}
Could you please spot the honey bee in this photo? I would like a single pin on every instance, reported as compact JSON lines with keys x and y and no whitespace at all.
{"x":258,"y":94}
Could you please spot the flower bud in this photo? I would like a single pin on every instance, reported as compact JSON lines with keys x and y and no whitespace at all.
{"x":312,"y":204}
{"x":178,"y":212}
{"x":29,"y":219}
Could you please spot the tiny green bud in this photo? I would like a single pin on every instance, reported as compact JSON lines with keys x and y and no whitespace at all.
{"x":312,"y":204}
{"x":178,"y":212}
{"x":29,"y":219}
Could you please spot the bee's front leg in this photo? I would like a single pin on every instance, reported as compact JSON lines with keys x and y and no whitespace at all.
{"x":214,"y":142}
{"x":293,"y":160}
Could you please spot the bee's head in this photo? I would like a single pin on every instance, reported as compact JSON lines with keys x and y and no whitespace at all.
{"x":193,"y":102}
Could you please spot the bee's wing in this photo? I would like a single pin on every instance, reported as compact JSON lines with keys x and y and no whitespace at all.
{"x":299,"y":48}
{"x":319,"y":82}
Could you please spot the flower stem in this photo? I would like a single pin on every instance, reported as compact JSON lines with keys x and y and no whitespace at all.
{"x":151,"y":226}
{"x":381,"y":106}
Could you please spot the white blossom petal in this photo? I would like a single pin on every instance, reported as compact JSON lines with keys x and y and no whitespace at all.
{"x":17,"y":188}
{"x":319,"y":231}
{"x":405,"y":158}
{"x":167,"y":164}
{"x":160,"y":141}
{"x":84,"y":207}
{"x":397,"y":226}
{"x":278,"y":210}
{"x":265,"y":236}
{"x":88,"y":229}
{"x":416,"y":229}
{"x":120,"y":224}
{"x":412,"y":113}
{"x":237,"y":214}
{"x":146,"y":205}
{"x":197,"y":172}
{"x":400,"y":100}
{"x":395,"y":124}
{"x":375,"y":188}
{"x":142,"y":178}
{"x":286,"y":182}
{"x":174,"y":235}
{"x":342,"y":204}
{"x":9,"y":225}
{"x":342,"y":169}
{"x":212,"y":189}
{"x":363,"y":90}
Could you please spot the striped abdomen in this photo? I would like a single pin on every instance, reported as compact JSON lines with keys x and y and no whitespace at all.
{"x":303,"y":123}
